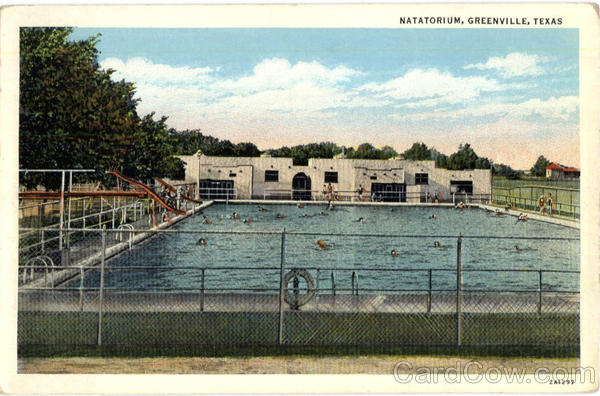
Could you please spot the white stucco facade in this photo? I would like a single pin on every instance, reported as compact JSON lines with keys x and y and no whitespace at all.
{"x":267,"y":177}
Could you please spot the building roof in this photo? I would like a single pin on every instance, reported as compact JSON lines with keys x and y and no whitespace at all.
{"x":555,"y":166}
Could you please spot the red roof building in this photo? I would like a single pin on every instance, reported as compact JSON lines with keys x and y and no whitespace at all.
{"x":558,"y":172}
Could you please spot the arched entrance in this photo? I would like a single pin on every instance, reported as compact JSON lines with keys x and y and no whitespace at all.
{"x":301,"y":187}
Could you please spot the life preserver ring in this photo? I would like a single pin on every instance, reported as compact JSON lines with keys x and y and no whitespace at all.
{"x":297,"y":300}
{"x":541,"y":203}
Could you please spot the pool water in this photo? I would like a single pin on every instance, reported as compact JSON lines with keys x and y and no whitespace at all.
{"x":363,"y":254}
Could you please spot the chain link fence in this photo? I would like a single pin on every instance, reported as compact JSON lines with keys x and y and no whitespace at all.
{"x":199,"y":287}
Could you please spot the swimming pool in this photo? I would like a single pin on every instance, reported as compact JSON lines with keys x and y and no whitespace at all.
{"x":358,"y":250}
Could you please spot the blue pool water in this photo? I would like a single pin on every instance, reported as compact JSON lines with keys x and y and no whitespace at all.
{"x":344,"y":254}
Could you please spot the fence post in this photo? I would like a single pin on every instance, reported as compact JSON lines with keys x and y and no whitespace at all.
{"x":458,"y":290}
{"x":539,"y":307}
{"x":281,"y":287}
{"x":81,"y":275}
{"x":332,"y":283}
{"x":429,"y":293}
{"x":202,"y":291}
{"x":101,"y":296}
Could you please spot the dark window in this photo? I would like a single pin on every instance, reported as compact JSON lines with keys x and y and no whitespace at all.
{"x":271,"y":176}
{"x":331,"y":177}
{"x":461,"y":187}
{"x":421,"y":178}
{"x":231,"y":174}
{"x":373,"y":177}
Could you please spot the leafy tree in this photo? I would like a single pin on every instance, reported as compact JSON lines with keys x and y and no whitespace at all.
{"x":506,"y":171}
{"x":72,"y":115}
{"x":466,"y":158}
{"x":539,"y":168}
{"x":418,"y":152}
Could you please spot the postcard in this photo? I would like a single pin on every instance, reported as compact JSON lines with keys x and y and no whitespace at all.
{"x":330,"y":198}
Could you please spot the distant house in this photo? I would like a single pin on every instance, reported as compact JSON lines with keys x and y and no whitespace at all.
{"x":556,"y":171}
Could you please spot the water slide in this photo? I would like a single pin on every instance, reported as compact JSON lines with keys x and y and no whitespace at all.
{"x":170,"y":188}
{"x":148,"y":190}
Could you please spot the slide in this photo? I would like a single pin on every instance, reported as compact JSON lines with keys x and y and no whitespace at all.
{"x":170,"y":188}
{"x":150,"y":192}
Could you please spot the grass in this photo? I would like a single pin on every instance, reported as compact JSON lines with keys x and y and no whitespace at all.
{"x":305,"y":333}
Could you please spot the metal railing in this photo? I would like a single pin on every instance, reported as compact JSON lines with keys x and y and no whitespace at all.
{"x":311,"y":305}
{"x":565,"y":201}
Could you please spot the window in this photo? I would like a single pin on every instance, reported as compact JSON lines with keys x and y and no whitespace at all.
{"x":421,"y":178}
{"x":231,"y":174}
{"x":373,"y":177}
{"x":271,"y":176}
{"x":331,"y":177}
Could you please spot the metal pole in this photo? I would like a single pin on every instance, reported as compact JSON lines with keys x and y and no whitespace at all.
{"x":83,"y":212}
{"x":458,"y":290}
{"x":101,"y":297}
{"x":100,"y":214}
{"x":281,"y":285}
{"x":332,"y":283}
{"x":113,"y":211}
{"x":69,"y":203}
{"x":539,"y":307}
{"x":429,"y":294}
{"x":62,"y":209}
{"x":202,"y":290}
{"x":81,"y":275}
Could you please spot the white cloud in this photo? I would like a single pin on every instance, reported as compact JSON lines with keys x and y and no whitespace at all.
{"x":277,"y":73}
{"x":432,"y":87}
{"x":144,"y":71}
{"x":561,"y":108}
{"x":515,"y":64}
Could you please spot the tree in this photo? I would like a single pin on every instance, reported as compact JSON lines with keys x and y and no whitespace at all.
{"x":73,"y":115}
{"x":539,"y":168}
{"x":418,"y":152}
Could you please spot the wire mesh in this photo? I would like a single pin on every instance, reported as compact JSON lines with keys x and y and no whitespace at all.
{"x":131,"y":287}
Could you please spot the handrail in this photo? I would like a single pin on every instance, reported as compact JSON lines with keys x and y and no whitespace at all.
{"x":170,"y":188}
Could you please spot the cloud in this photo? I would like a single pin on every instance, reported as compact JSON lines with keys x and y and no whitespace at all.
{"x":515,"y":64}
{"x":277,"y":73}
{"x":143,"y":71}
{"x":432,"y":87}
{"x":561,"y":108}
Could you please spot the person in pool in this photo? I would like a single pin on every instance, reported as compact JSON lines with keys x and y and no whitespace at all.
{"x":300,"y":205}
{"x":361,"y":220}
{"x":202,"y":242}
{"x":522,"y":217}
{"x":205,"y":219}
{"x":323,"y":213}
{"x":261,"y":209}
{"x":235,"y":216}
{"x":280,"y":216}
{"x":394,"y":253}
{"x":322,"y":244}
{"x":436,"y":244}
{"x":434,"y":217}
{"x":518,"y":249}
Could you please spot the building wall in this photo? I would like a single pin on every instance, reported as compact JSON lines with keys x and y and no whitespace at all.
{"x":250,"y":181}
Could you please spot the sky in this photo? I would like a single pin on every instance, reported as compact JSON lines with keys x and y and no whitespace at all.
{"x":511,"y":93}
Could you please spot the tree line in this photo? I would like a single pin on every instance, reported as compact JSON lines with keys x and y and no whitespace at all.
{"x":72,"y":115}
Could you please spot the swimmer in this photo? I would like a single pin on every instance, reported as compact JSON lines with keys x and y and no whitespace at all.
{"x":300,"y":205}
{"x":434,"y":217}
{"x":280,"y":216}
{"x":436,"y":244}
{"x":461,"y":205}
{"x":518,"y":248}
{"x":361,"y":220}
{"x":394,"y":253}
{"x":306,"y":216}
{"x":248,"y":221}
{"x":202,"y":242}
{"x":261,"y":209}
{"x":522,"y":217}
{"x":205,"y":220}
{"x":323,"y":213}
{"x":235,"y":216}
{"x":322,"y":244}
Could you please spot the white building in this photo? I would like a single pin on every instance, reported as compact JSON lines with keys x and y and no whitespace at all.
{"x":277,"y":178}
